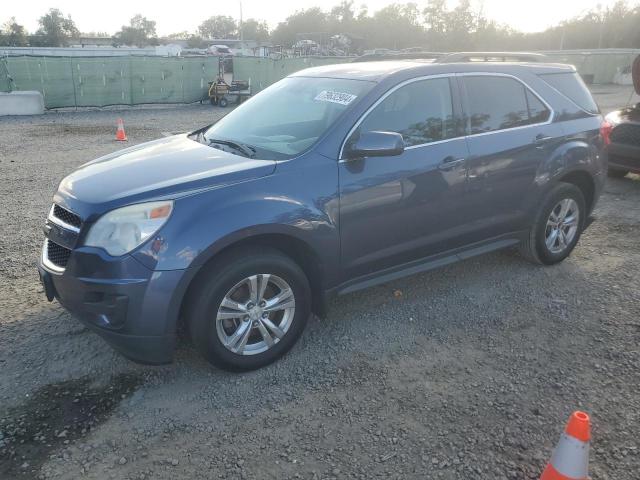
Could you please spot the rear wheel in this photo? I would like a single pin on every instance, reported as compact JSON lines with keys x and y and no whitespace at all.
{"x":249,"y":310}
{"x":223,"y":102}
{"x":617,"y":172}
{"x":557,"y":226}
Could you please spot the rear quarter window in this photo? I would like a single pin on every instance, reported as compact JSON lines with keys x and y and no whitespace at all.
{"x":571,"y":86}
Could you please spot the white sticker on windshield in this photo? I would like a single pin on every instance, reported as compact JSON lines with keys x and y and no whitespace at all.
{"x":335,"y":97}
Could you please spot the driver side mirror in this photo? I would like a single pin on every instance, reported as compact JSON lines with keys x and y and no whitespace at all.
{"x":375,"y":144}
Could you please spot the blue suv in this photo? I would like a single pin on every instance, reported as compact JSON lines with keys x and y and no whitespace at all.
{"x":329,"y":181}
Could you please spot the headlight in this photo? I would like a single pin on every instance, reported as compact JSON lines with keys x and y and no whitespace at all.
{"x":120,"y":231}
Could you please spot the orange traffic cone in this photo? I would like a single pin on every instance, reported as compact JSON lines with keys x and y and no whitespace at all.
{"x":120,"y":135}
{"x":570,"y":459}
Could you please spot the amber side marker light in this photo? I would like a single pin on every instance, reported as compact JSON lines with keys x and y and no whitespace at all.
{"x":160,"y":212}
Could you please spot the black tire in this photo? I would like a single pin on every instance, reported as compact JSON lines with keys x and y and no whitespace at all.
{"x":223,"y":102}
{"x":617,"y":172}
{"x":210,"y":288}
{"x":534,"y":247}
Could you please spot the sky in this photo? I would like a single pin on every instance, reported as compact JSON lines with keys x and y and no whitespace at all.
{"x":108,"y":16}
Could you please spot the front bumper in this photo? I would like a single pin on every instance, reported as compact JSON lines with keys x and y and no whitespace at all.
{"x":624,"y":157}
{"x":133,"y":308}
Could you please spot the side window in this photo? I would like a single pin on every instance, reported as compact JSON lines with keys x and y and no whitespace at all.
{"x":421,"y":112}
{"x":497,"y":103}
{"x":571,"y":86}
{"x":538,"y":112}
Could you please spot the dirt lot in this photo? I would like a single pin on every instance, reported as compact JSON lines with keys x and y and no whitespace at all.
{"x":461,"y":373}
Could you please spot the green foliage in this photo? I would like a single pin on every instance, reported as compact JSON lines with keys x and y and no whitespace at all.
{"x":12,"y":34}
{"x":140,"y":32}
{"x":55,"y":29}
{"x":219,"y":26}
{"x":613,"y":27}
{"x":255,"y":30}
{"x":196,"y":41}
{"x":439,"y":28}
{"x":303,"y":21}
{"x":184,"y":35}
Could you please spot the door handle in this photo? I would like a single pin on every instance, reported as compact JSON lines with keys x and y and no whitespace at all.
{"x":450,"y":162}
{"x":541,"y":139}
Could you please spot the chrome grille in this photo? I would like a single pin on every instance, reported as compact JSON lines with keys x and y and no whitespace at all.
{"x":66,"y":216}
{"x":57,"y":254}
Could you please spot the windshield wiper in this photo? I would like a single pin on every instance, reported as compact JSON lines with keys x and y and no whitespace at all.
{"x":246,"y":150}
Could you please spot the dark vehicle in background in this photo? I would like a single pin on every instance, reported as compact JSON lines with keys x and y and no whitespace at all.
{"x":624,"y":136}
{"x":332,"y":180}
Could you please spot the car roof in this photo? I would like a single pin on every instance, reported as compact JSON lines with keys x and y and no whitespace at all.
{"x":378,"y":71}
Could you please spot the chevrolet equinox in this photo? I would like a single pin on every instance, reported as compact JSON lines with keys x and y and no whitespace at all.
{"x":331,"y":180}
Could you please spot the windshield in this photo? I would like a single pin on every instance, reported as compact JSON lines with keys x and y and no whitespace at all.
{"x":288,"y":117}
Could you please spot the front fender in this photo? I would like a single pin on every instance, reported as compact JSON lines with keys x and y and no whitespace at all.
{"x":284,"y":203}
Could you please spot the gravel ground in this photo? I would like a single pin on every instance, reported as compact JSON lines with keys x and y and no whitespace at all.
{"x":465,"y":372}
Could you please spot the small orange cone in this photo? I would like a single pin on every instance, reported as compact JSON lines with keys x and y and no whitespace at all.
{"x":570,"y":459}
{"x":120,"y":135}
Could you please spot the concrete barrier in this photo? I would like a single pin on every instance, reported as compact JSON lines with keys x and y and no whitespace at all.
{"x":21,"y":103}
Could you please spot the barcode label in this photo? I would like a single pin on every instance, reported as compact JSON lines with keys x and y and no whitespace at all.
{"x":335,"y":97}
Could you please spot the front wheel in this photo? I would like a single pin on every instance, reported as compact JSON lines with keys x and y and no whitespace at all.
{"x":557,"y":226}
{"x":249,"y":309}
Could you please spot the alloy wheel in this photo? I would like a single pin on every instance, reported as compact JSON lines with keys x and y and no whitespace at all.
{"x":562,"y":225}
{"x":255,"y":314}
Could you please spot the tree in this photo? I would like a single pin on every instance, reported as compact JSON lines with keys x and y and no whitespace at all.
{"x":196,"y":41}
{"x":343,"y":14}
{"x":12,"y":34}
{"x":56,"y":29}
{"x":255,"y":30}
{"x":219,"y":26}
{"x":436,"y":17}
{"x":184,"y":35}
{"x":397,"y":26}
{"x":311,"y":20}
{"x":140,"y":32}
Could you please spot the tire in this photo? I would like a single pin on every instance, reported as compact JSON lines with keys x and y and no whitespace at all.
{"x":210,"y":321}
{"x":535,"y":247}
{"x":617,"y":173}
{"x":223,"y":102}
{"x":213,"y":100}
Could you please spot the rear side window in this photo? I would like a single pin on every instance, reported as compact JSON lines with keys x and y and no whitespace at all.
{"x":538,"y":112}
{"x":421,"y":112}
{"x":498,"y":103}
{"x":571,"y":86}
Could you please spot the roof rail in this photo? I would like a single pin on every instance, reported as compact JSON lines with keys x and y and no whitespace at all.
{"x":374,"y":57}
{"x":491,"y":57}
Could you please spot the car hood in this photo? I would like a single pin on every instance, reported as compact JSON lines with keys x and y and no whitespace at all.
{"x":164,"y":168}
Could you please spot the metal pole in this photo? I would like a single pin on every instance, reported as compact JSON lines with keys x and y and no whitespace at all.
{"x":73,"y":81}
{"x":241,"y":32}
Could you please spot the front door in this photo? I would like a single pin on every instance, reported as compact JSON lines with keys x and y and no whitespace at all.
{"x":398,"y":208}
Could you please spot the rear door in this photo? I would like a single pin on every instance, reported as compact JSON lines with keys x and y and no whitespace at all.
{"x":510,"y":135}
{"x":398,"y":208}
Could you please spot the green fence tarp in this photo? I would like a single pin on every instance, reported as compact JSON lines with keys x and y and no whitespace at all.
{"x":601,"y":65}
{"x":262,"y":72}
{"x":102,"y":81}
